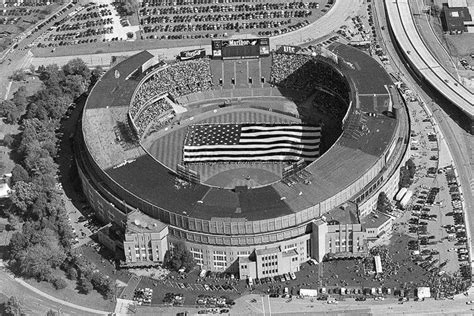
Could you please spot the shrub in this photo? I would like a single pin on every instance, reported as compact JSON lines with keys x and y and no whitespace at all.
{"x":72,"y":273}
{"x":59,"y":283}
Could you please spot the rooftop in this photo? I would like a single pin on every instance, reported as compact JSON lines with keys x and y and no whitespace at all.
{"x":455,"y":17}
{"x":344,"y":215}
{"x":139,"y":222}
{"x":374,"y":220}
{"x":267,"y":251}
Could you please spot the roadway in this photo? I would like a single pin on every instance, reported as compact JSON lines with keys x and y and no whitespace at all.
{"x":459,"y":142}
{"x":262,"y":305}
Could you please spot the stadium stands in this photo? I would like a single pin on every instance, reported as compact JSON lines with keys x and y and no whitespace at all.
{"x":177,"y":79}
{"x":304,"y":73}
{"x":152,"y":112}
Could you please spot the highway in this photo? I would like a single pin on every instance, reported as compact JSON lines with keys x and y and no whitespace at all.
{"x":459,"y":141}
{"x":410,"y":41}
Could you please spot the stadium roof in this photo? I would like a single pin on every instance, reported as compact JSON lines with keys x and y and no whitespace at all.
{"x":404,"y":29}
{"x":367,"y":135}
{"x":113,"y":88}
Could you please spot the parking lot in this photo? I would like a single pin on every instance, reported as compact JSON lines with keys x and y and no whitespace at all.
{"x":90,"y":23}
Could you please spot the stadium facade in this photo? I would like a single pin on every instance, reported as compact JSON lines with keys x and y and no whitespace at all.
{"x":253,"y":232}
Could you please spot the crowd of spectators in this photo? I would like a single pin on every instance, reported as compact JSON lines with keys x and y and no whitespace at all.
{"x":150,"y":113}
{"x":191,"y":16}
{"x":304,"y":73}
{"x":178,"y":79}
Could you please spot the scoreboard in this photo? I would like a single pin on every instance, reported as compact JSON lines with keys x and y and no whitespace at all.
{"x":240,"y":48}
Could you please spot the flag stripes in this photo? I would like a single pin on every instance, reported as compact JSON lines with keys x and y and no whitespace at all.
{"x":251,"y":142}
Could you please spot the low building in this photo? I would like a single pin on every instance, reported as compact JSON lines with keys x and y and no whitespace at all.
{"x":146,"y":240}
{"x":376,"y":225}
{"x":456,"y":20}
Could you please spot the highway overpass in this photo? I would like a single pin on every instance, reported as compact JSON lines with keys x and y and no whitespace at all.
{"x":403,"y":28}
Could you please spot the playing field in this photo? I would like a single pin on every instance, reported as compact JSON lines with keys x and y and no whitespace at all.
{"x":169,"y":151}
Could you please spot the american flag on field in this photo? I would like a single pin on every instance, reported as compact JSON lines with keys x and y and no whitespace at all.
{"x":251,"y":142}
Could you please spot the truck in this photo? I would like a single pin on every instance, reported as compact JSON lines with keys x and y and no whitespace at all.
{"x":309,"y":292}
{"x":406,"y":198}
{"x":400,"y":194}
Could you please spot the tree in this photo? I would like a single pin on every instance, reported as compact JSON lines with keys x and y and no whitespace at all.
{"x":13,"y":222}
{"x":72,"y":273}
{"x":130,"y":6}
{"x":20,"y":98}
{"x":96,"y":74}
{"x":6,"y":107}
{"x":75,"y":85}
{"x":51,"y":313}
{"x":18,"y":75}
{"x":8,"y":140}
{"x":179,"y":257}
{"x":9,"y":110}
{"x":77,"y":66}
{"x":411,"y":167}
{"x":20,"y":174}
{"x":12,"y":307}
{"x":85,"y":285}
{"x":435,"y":9}
{"x":383,"y":203}
{"x":59,"y":283}
{"x":51,"y":76}
{"x":24,"y":194}
{"x":102,"y":284}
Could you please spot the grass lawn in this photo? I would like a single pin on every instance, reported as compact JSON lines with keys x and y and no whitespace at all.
{"x":460,"y":45}
{"x":70,"y":294}
{"x":32,"y":84}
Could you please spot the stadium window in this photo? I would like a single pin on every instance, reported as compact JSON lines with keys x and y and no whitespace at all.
{"x":262,"y":80}
{"x":220,"y":81}
{"x":250,"y":80}
{"x":233,"y":80}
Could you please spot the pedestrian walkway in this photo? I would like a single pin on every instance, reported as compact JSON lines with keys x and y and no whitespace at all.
{"x":59,"y":301}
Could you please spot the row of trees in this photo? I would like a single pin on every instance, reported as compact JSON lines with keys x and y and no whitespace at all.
{"x":44,"y":242}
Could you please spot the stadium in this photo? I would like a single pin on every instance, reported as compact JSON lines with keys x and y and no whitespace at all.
{"x":256,"y":161}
